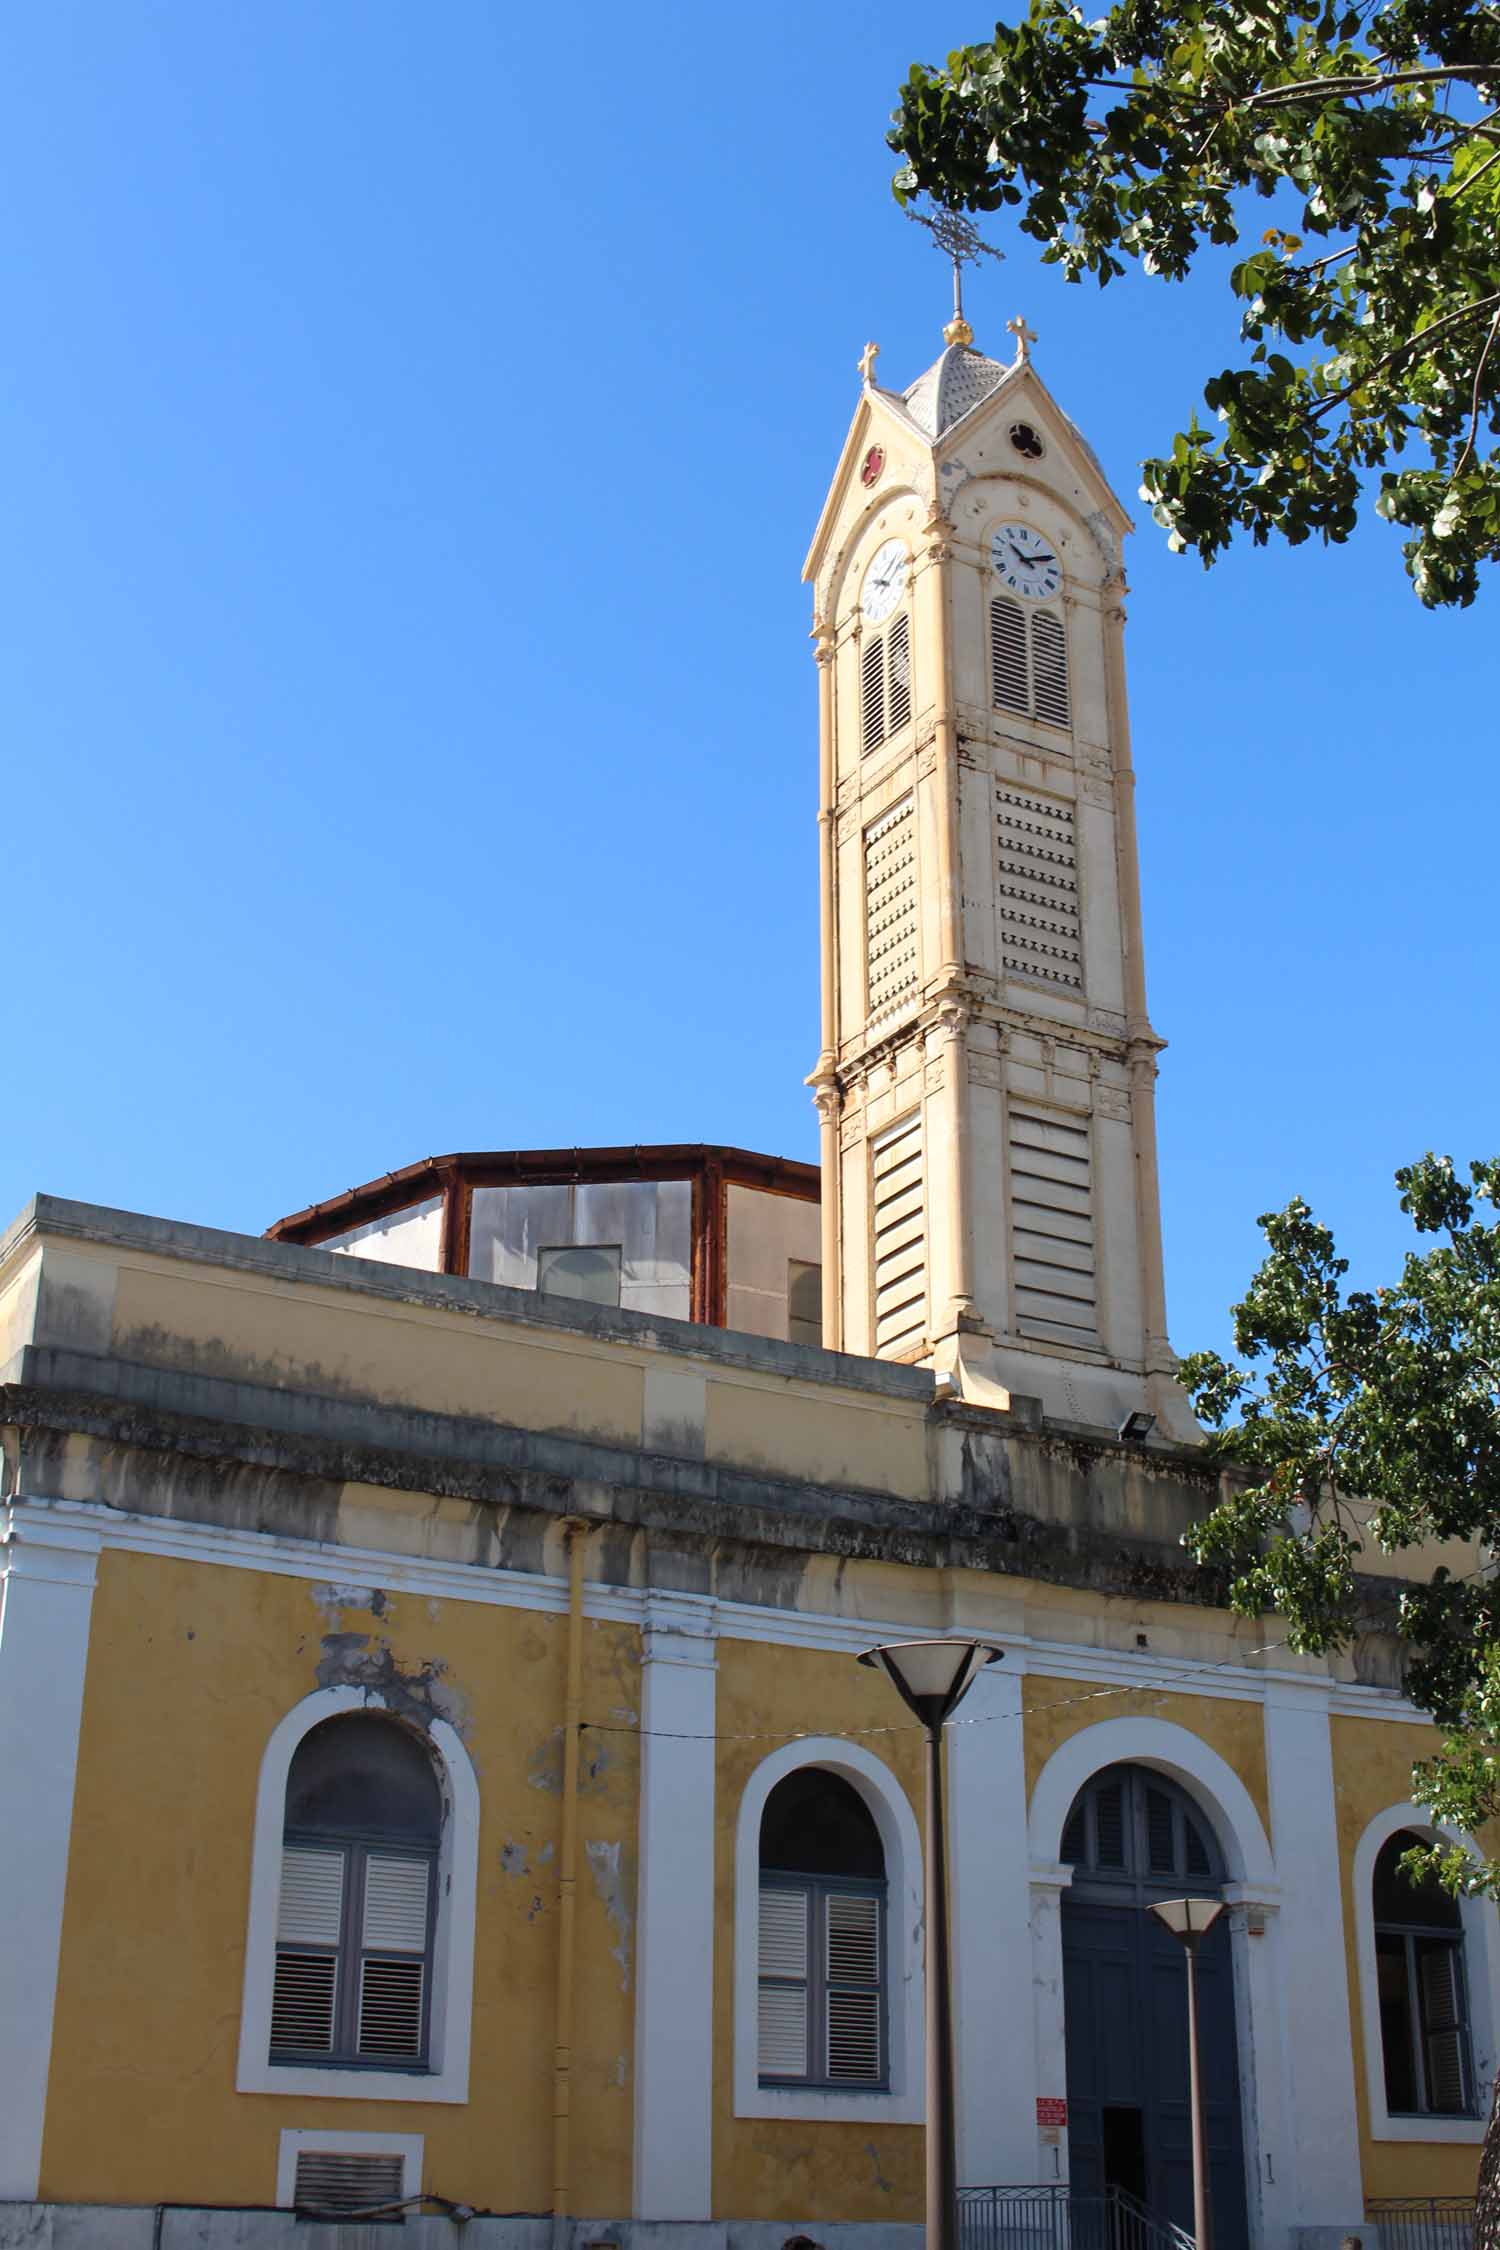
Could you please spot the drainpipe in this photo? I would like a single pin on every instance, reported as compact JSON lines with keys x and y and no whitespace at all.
{"x":574,"y":1535}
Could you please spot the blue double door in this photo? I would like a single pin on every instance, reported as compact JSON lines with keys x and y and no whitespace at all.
{"x":1129,"y":2123}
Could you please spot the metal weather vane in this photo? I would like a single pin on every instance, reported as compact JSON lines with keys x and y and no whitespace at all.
{"x":962,"y":243}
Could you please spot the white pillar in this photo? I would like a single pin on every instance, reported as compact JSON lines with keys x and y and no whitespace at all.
{"x":1324,"y":2168}
{"x":996,"y":2054}
{"x":675,"y":1915}
{"x":46,"y":1592}
{"x":1049,"y":2159}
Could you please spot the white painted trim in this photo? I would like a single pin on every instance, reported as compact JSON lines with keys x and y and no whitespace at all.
{"x":408,"y":2146}
{"x":1229,"y":1680}
{"x":1481,"y":1966}
{"x":453,"y":1950}
{"x":1260,"y":2019}
{"x":1172,"y":1750}
{"x":901,"y":1843}
{"x":674,"y":2027}
{"x":47,"y":1574}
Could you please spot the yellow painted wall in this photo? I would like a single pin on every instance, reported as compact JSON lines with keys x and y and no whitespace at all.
{"x":1056,"y":1710}
{"x":1372,"y":1762}
{"x":190,"y":1667}
{"x":779,"y":2168}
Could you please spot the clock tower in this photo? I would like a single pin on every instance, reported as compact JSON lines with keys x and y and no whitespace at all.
{"x":986,"y":1078}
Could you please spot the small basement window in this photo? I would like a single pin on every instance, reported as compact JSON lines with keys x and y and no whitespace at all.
{"x":369,"y":2177}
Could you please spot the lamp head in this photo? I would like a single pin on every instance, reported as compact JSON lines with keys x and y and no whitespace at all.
{"x":1188,"y":1918}
{"x":932,"y":1677}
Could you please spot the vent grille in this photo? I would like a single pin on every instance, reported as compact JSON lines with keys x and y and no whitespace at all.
{"x":854,"y":2037}
{"x":312,"y":1897}
{"x":898,"y":675}
{"x":900,"y":1240}
{"x":396,"y":1903}
{"x":1162,"y":1854}
{"x":1037,"y":851}
{"x":783,"y":2031}
{"x":783,"y":2007}
{"x":1049,"y":667}
{"x":872,"y":692}
{"x":1109,"y":1830}
{"x":891,"y":913}
{"x":302,"y":2002}
{"x":1052,"y":1230}
{"x":1009,"y":682}
{"x":344,"y":2184}
{"x":1029,"y":662}
{"x":390,"y":2009}
{"x":783,"y":1933}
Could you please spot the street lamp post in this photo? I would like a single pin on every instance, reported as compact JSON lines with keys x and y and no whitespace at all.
{"x":1190,"y":1919}
{"x":932,"y":1679}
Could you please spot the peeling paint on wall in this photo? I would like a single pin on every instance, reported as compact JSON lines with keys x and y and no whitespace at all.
{"x":616,"y":1889}
{"x":349,"y":1660}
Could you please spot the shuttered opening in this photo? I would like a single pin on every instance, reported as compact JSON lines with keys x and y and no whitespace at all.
{"x":326,"y":2182}
{"x":1049,"y":669}
{"x":1029,"y":662}
{"x":853,"y":1987}
{"x":898,"y":1198}
{"x":1037,"y":882}
{"x":820,"y":2000}
{"x":891,"y":914}
{"x":872,"y":692}
{"x":1010,"y":681}
{"x":898,"y":675}
{"x":310,"y":2011}
{"x":1052,"y":1229}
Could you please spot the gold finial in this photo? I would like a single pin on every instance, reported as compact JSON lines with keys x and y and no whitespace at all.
{"x":961,"y":241}
{"x":867,"y":359}
{"x":1025,"y":338}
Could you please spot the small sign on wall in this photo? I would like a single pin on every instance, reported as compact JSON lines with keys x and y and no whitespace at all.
{"x":1051,"y":2110}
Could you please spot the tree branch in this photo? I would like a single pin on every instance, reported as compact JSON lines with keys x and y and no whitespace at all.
{"x":1418,"y":342}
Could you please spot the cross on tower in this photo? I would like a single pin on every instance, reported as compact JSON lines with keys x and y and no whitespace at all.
{"x":867,"y":359}
{"x":960,"y":241}
{"x":1025,"y":338}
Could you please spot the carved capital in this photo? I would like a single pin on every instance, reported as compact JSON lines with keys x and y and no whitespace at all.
{"x":1112,"y":1101}
{"x":821,"y":637}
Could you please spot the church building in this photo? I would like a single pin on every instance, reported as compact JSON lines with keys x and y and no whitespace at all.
{"x":441,"y":1790}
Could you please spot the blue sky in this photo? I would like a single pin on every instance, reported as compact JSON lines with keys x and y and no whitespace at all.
{"x":413,"y":421}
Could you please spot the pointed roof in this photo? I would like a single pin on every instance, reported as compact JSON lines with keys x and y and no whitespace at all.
{"x":955,"y":382}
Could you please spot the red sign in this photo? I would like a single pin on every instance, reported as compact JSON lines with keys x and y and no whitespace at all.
{"x":1051,"y":2109}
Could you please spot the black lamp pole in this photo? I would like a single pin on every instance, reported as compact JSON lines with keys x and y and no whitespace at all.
{"x":932,"y":1678}
{"x":1190,"y":1919}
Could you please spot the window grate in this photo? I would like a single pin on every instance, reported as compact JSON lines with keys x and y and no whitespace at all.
{"x":891,"y":929}
{"x":1029,"y":663}
{"x":900,"y":1239}
{"x":329,"y":2182}
{"x":1052,"y":1229}
{"x":303,"y":1999}
{"x":898,"y":675}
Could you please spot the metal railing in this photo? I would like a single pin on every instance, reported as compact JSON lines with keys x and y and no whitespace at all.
{"x":1054,"y":2218}
{"x":1423,"y":2222}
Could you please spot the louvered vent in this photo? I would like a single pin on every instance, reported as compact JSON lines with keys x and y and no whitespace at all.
{"x":900,"y":1240}
{"x":783,"y":2004}
{"x":891,"y":913}
{"x":1049,"y":669}
{"x":1109,"y":1825}
{"x":1442,"y":2018}
{"x":302,"y":2002}
{"x":345,"y":2184}
{"x":1052,"y":1229}
{"x":1037,"y":852}
{"x":312,"y":1897}
{"x":390,"y":2009}
{"x":853,"y":1988}
{"x":1163,"y":1857}
{"x":898,"y":675}
{"x":1198,"y":1862}
{"x":396,"y":1903}
{"x":1075,"y":1836}
{"x":1010,"y":687}
{"x":872,"y":692}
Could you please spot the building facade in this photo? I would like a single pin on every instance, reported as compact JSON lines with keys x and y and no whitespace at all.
{"x":439,"y":1780}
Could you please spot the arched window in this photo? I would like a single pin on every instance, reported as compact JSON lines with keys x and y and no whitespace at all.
{"x":821,"y":2016}
{"x":354,"y":1925}
{"x":1132,"y":1829}
{"x":1424,"y":2001}
{"x":885,"y":683}
{"x":1029,"y":662}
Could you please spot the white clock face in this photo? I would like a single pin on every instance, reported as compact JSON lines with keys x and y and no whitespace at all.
{"x":885,"y":582}
{"x":1024,"y":559}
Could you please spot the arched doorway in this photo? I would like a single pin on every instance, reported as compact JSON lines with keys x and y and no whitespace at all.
{"x":1133,"y":1837}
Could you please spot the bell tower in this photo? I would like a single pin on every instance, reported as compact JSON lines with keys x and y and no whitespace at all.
{"x":985,"y":1084}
